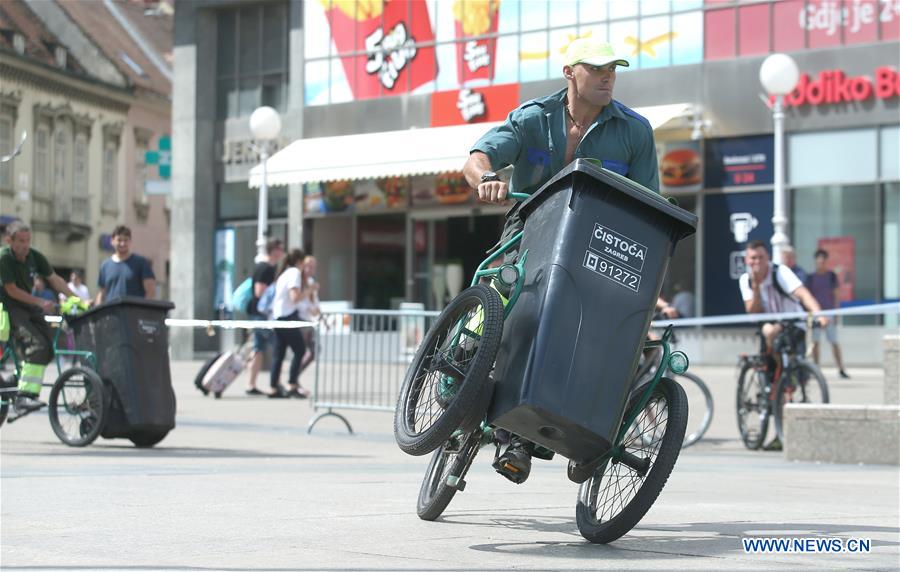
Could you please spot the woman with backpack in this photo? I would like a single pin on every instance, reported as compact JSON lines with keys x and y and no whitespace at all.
{"x":289,"y":293}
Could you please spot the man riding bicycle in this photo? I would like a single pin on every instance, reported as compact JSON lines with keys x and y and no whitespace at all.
{"x":773,"y":288}
{"x":19,"y":266}
{"x":542,"y":136}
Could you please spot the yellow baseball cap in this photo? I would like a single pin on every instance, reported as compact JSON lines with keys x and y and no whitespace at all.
{"x":593,"y":53}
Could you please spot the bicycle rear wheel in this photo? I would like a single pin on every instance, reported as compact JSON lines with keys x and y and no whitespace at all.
{"x":753,"y":408}
{"x":700,"y":407}
{"x":448,"y":385}
{"x":77,"y":406}
{"x":803,"y":382}
{"x":618,"y":495}
{"x":451,"y":461}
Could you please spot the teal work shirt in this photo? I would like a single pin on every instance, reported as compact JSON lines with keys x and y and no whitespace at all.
{"x":533,"y":140}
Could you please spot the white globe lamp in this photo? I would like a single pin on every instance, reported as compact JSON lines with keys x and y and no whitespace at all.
{"x":265,"y":124}
{"x":779,"y":75}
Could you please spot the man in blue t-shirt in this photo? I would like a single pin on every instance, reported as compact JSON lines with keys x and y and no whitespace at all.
{"x":125,"y":273}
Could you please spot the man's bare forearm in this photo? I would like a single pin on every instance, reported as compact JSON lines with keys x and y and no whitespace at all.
{"x":476,"y":165}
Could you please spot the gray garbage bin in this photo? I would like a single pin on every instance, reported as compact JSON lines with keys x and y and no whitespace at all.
{"x":598,"y":249}
{"x":129,"y":339}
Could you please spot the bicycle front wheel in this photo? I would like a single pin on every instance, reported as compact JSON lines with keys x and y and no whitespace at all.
{"x":753,"y":408}
{"x":448,"y":385}
{"x":77,"y":406}
{"x":803,"y":382}
{"x":700,"y":407}
{"x":618,"y":495}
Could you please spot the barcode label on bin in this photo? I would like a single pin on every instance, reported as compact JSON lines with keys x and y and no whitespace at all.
{"x":612,"y":271}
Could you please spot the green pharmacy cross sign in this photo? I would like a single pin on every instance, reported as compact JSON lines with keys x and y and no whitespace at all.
{"x":162,"y":157}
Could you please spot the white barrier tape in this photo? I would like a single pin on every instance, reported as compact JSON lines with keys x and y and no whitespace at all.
{"x":871,"y":309}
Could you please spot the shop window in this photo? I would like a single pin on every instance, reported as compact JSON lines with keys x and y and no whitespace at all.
{"x":890,"y":153}
{"x":832,"y":157}
{"x":753,"y":29}
{"x":891,"y":237}
{"x":787,"y":36}
{"x":719,"y":34}
{"x":889,"y":16}
{"x":236,"y":201}
{"x":843,"y":220}
{"x":6,"y":147}
{"x":252,"y":58}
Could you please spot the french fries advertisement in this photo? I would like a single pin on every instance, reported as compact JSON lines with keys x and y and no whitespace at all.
{"x":475,"y":57}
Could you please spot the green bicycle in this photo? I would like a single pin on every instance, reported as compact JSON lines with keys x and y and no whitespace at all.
{"x":78,"y":402}
{"x":450,"y":388}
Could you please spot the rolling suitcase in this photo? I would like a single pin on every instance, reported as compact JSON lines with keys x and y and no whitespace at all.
{"x":220,"y":371}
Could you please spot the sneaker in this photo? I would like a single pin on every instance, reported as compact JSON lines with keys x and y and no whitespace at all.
{"x":299,"y":393}
{"x":775,"y":445}
{"x":515,"y":462}
{"x":279,"y":393}
{"x":843,"y":374}
{"x":26,"y":403}
{"x":254,"y":391}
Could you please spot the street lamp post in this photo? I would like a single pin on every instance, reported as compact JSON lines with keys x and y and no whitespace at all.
{"x":265,"y":124}
{"x":778,"y":75}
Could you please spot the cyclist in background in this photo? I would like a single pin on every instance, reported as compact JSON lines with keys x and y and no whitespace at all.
{"x":19,"y":266}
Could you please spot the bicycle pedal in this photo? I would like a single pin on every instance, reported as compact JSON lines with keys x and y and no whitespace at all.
{"x":455,"y":482}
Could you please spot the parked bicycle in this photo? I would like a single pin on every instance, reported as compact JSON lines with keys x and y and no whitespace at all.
{"x":699,"y":398}
{"x":445,"y":398}
{"x":78,"y":402}
{"x":764,"y":388}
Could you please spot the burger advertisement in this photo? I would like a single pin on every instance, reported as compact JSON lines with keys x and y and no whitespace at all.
{"x":680,"y":167}
{"x":442,"y":189}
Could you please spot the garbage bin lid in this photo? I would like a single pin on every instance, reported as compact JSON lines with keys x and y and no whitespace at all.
{"x":615,"y":181}
{"x":164,"y":305}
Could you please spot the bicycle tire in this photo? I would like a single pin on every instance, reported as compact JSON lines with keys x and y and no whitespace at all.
{"x":435,"y":494}
{"x":787,"y":379}
{"x":662,"y":455}
{"x":90,"y":411}
{"x":693,"y":435}
{"x":425,"y":416}
{"x":752,"y":400}
{"x":6,"y":397}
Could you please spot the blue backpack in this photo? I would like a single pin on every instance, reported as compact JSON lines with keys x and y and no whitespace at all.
{"x":264,"y":304}
{"x":240,"y":298}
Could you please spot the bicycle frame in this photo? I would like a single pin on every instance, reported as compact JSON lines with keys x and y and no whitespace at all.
{"x":9,"y":349}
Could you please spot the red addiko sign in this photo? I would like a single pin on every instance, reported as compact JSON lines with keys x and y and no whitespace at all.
{"x":387,"y":32}
{"x":475,"y":105}
{"x":833,"y":86}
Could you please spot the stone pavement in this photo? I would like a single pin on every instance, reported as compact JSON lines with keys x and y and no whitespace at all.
{"x":240,"y":485}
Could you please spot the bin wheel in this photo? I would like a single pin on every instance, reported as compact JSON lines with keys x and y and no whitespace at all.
{"x":621,"y":491}
{"x":78,"y":406}
{"x":198,"y":381}
{"x":147,"y":439}
{"x":448,"y":386}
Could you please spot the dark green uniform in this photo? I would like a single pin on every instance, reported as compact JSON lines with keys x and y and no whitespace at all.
{"x":33,"y":337}
{"x":533,"y":140}
{"x":21,"y":273}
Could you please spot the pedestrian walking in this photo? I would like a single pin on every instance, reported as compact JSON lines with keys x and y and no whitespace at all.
{"x":264,"y":274}
{"x":290,"y":291}
{"x":824,"y":286}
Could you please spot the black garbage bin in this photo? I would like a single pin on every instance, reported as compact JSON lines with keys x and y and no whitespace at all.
{"x":129,"y":339}
{"x":598,"y":249}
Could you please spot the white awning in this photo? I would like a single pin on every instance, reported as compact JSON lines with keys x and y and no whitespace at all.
{"x":396,"y":153}
{"x":372,"y":155}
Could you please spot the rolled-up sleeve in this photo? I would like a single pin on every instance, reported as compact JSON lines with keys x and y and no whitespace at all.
{"x":644,"y":167}
{"x":502,"y":144}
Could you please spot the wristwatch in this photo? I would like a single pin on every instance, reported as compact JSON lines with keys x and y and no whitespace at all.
{"x":488,"y":176}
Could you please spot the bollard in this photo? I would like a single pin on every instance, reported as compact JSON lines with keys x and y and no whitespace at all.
{"x":892,"y":370}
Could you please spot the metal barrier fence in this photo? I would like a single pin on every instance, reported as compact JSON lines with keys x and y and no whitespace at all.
{"x":361,"y":359}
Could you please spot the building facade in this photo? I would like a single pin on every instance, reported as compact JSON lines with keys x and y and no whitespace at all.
{"x":76,"y":80}
{"x":352,"y":70}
